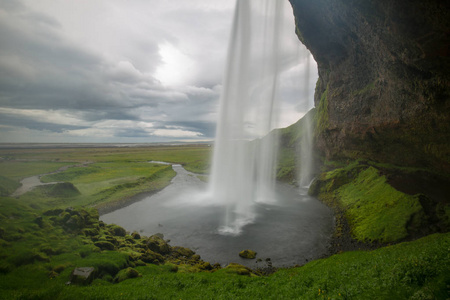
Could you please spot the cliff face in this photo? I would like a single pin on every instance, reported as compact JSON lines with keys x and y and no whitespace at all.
{"x":384,"y":78}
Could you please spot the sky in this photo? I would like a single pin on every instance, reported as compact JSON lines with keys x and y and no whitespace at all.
{"x":114,"y":71}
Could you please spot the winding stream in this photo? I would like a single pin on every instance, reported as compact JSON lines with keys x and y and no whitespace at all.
{"x":293,"y":231}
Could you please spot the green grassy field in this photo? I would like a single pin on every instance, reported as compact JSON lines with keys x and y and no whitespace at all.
{"x":39,"y":251}
{"x":102,"y":177}
{"x":42,"y":240}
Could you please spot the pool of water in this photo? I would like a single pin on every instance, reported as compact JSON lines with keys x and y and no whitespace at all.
{"x":295,"y":229}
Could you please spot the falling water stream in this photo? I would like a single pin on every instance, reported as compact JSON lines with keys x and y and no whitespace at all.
{"x":243,"y":207}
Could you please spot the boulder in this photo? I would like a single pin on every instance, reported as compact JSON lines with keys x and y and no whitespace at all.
{"x":152,"y":257}
{"x":181,"y":251}
{"x":104,"y":245}
{"x":125,"y":274}
{"x":82,"y":276}
{"x":238,"y":269}
{"x":250,"y":254}
{"x":135,"y":235}
{"x":117,"y":230}
{"x":158,"y":245}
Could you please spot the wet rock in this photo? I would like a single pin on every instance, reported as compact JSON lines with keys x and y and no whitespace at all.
{"x":383,"y":89}
{"x":249,"y":254}
{"x":135,"y":235}
{"x":82,"y":276}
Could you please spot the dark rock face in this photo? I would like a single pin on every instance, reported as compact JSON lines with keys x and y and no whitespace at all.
{"x":384,"y":78}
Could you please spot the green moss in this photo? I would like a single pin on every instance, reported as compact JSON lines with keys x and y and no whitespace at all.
{"x":322,"y":122}
{"x":250,"y":254}
{"x":116,"y":230}
{"x":377,"y":211}
{"x":238,"y":269}
{"x":125,"y":274}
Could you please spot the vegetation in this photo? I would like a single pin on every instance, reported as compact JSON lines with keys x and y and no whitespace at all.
{"x":290,"y":139}
{"x":375,"y":211}
{"x":43,"y":239}
{"x":105,"y":178}
{"x":40,"y":251}
{"x":8,"y":186}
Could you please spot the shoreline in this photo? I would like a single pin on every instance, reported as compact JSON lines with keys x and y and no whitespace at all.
{"x":110,"y":207}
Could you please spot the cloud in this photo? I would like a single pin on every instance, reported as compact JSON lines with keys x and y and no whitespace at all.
{"x":112,"y":71}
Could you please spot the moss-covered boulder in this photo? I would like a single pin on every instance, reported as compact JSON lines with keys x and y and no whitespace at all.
{"x":157,"y":244}
{"x":104,"y":245}
{"x":116,"y":230}
{"x":249,"y":254}
{"x":135,"y":235}
{"x":238,"y":269}
{"x":125,"y":274}
{"x":182,"y":251}
{"x":151,"y":257}
{"x":82,"y":276}
{"x":90,"y":232}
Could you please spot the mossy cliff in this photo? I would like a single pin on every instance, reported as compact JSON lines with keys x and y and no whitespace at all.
{"x":384,"y":82}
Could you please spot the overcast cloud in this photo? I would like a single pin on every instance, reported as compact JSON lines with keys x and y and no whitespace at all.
{"x":119,"y":71}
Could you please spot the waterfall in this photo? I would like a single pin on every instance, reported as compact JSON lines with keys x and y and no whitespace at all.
{"x":243,"y":167}
{"x":306,"y":142}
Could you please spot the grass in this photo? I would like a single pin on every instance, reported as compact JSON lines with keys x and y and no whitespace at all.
{"x":108,"y":177}
{"x":38,"y":265}
{"x":376,"y":211}
{"x":195,"y":157}
{"x":17,"y":170}
{"x":39,"y":247}
{"x":8,"y":186}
